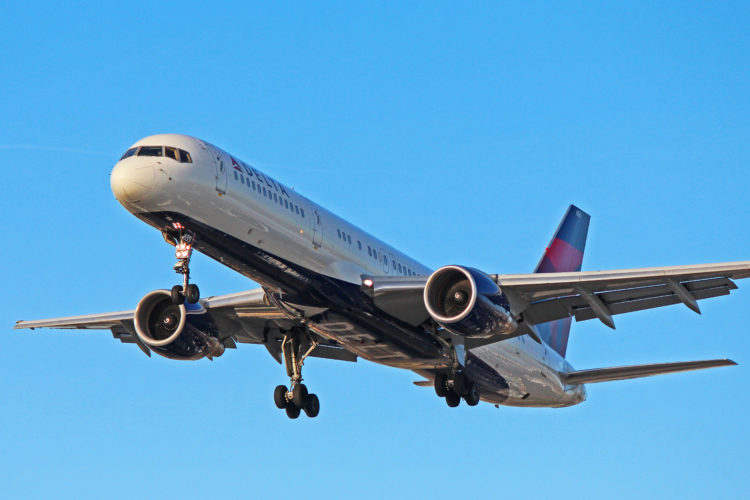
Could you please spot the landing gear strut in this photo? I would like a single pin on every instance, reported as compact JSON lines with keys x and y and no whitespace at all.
{"x":296,"y":347}
{"x":457,"y":387}
{"x":183,"y":241}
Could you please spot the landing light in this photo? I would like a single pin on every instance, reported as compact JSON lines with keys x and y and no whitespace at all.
{"x":368,"y":283}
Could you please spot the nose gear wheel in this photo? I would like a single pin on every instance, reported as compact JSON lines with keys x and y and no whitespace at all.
{"x":183,"y":241}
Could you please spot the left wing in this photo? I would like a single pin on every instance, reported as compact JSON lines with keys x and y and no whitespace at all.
{"x":245,"y":317}
{"x":542,"y":297}
{"x":547,"y":297}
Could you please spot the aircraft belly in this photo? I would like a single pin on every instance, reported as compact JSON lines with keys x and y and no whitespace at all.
{"x":350,"y":319}
{"x":527,"y":381}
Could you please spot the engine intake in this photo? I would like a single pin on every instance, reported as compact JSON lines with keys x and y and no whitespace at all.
{"x":467,"y":302}
{"x":183,"y":332}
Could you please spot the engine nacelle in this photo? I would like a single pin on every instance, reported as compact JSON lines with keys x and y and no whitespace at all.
{"x":182,"y":332}
{"x":467,"y":302}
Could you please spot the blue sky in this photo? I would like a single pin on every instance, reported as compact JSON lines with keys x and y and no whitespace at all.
{"x":457,"y":133}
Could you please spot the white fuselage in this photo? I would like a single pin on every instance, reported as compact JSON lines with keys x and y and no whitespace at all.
{"x":237,"y":199}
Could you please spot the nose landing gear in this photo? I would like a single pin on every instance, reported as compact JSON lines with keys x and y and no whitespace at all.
{"x":183,"y":241}
{"x":296,"y":346}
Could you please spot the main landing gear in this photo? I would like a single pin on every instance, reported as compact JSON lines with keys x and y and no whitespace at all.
{"x":297,"y":345}
{"x":455,"y":388}
{"x":183,"y":241}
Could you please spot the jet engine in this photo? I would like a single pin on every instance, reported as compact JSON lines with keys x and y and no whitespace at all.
{"x":467,"y":302}
{"x":182,"y":332}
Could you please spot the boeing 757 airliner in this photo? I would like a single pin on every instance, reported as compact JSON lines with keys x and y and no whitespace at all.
{"x":328,"y":289}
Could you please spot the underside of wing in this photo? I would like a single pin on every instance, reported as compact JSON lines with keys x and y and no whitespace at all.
{"x":601,"y":294}
{"x":245,"y":317}
{"x":638,"y":371}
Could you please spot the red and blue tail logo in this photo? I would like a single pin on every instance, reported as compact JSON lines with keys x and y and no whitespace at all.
{"x":564,"y":253}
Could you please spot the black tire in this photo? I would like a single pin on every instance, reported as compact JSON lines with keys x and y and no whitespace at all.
{"x":192,"y":294}
{"x":472,"y":395}
{"x":460,"y":384}
{"x":177,"y":296}
{"x":452,"y":399}
{"x":441,"y":387}
{"x":312,"y":408}
{"x":299,"y":395}
{"x":279,"y":396}
{"x":292,"y":411}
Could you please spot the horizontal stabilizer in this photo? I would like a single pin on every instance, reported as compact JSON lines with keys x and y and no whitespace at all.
{"x":638,"y":371}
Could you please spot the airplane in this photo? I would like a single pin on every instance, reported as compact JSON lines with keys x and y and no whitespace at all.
{"x":330,"y":290}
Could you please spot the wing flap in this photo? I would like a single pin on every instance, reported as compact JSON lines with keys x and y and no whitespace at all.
{"x":538,"y":286}
{"x":638,"y":371}
{"x":541,"y":298}
{"x":627,"y":305}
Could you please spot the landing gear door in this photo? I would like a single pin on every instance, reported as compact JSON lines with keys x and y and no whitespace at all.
{"x":221,"y":174}
{"x":317,"y":227}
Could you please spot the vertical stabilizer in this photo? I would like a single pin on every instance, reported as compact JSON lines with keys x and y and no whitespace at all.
{"x":564,"y":253}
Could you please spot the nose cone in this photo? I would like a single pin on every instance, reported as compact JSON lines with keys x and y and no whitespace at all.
{"x":132,"y":182}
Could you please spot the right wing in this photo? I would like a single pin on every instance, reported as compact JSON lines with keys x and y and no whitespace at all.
{"x":245,"y":317}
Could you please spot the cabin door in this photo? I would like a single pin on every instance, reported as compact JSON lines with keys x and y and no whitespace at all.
{"x":221,"y":175}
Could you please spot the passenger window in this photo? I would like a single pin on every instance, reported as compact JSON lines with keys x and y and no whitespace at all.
{"x":338,"y":231}
{"x":264,"y":191}
{"x":286,"y":204}
{"x":369,"y":251}
{"x":242,"y":179}
{"x":185,"y":157}
{"x":296,"y":209}
{"x":399,"y":268}
{"x":130,"y":152}
{"x":274,"y":197}
{"x":151,"y":151}
{"x":302,"y":211}
{"x":253,"y":185}
{"x":349,"y":238}
{"x":359,"y":244}
{"x":235,"y":176}
{"x":170,"y":152}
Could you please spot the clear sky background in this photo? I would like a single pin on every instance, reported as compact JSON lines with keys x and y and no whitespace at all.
{"x":459,"y":134}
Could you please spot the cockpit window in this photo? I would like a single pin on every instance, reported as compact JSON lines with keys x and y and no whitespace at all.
{"x":128,"y":153}
{"x":151,"y":151}
{"x":176,"y":154}
{"x":185,"y":157}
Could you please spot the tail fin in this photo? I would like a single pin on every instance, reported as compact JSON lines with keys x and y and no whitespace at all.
{"x":564,"y":253}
